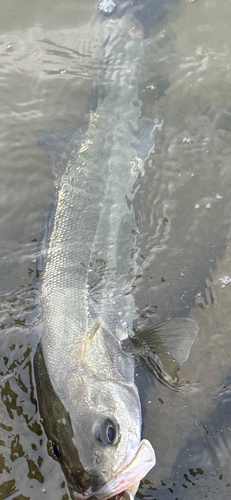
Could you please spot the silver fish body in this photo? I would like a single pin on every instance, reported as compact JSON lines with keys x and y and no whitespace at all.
{"x":88,"y":399}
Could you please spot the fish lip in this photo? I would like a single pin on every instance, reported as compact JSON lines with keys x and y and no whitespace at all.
{"x":127,"y":478}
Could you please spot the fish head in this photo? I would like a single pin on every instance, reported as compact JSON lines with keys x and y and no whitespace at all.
{"x":102,"y":455}
{"x":93,"y":420}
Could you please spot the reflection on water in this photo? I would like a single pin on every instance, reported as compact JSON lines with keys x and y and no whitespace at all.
{"x":202,"y":468}
{"x":22,"y":440}
{"x":49,"y":60}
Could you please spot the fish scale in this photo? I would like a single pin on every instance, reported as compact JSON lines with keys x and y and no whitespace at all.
{"x":91,"y":210}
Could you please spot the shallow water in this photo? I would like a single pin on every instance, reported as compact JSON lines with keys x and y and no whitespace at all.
{"x":49,"y":60}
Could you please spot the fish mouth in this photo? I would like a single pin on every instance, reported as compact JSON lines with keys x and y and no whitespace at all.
{"x":124,"y":495}
{"x":124,"y":484}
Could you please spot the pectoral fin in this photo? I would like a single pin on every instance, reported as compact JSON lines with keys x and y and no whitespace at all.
{"x":165,"y":347}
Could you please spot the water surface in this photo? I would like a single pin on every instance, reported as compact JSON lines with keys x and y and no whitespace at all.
{"x":50,"y":58}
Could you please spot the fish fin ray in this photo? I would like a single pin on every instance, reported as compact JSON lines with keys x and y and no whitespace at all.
{"x":165,"y":347}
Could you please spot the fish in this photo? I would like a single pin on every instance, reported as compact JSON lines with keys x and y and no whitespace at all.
{"x":84,"y":364}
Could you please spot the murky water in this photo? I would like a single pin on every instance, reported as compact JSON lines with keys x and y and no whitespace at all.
{"x":50,"y":53}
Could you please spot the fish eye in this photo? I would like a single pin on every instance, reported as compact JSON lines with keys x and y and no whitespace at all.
{"x":106,"y":432}
{"x":56,"y":450}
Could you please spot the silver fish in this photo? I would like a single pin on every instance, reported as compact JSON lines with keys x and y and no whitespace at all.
{"x":85,"y":377}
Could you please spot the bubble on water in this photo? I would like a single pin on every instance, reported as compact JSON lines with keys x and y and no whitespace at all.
{"x":219,"y":197}
{"x":197,"y":206}
{"x":111,"y":295}
{"x":208,"y":205}
{"x":158,"y":126}
{"x":120,"y":313}
{"x":107,"y":6}
{"x":225,"y":281}
{"x":151,"y":87}
{"x":125,"y":324}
